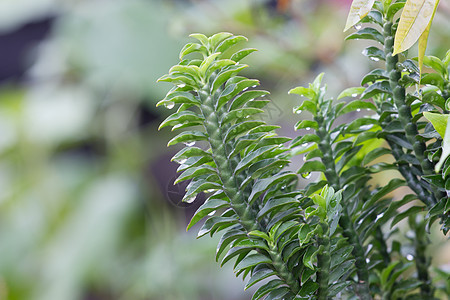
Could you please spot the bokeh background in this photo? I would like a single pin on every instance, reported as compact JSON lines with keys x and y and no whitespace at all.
{"x":88,"y":209}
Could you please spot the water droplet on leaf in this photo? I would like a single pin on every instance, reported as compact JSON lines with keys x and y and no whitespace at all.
{"x":374,"y":58}
{"x":190,"y":199}
{"x":306,"y":175}
{"x":181,"y":85}
{"x":357,"y":26}
{"x":169,"y":105}
{"x":189,"y":144}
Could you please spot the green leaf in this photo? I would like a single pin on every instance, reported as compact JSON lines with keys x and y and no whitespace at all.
{"x":391,"y":186}
{"x":233,"y":235}
{"x":307,"y":138}
{"x":188,"y":152}
{"x":375,"y":154}
{"x":338,"y":287}
{"x":201,"y":37}
{"x":262,"y":185}
{"x":241,"y":252}
{"x":387,"y":272}
{"x":374,"y":53}
{"x":226,"y":74}
{"x":185,"y":116}
{"x":367,"y":34}
{"x":374,"y":75}
{"x":258,"y":154}
{"x":238,"y":56}
{"x":211,"y":225}
{"x":306,"y":105}
{"x":192,"y":48}
{"x":356,"y":105}
{"x":229,"y":42}
{"x":340,"y":270}
{"x":278,"y":293}
{"x":239,"y":114}
{"x":441,"y":123}
{"x":434,"y":98}
{"x":312,"y":166}
{"x":192,"y":70}
{"x":351,"y":92}
{"x":266,"y":288}
{"x":305,"y":233}
{"x":302,"y":91}
{"x":308,"y":288}
{"x":358,"y":10}
{"x":216,"y":65}
{"x":178,"y":97}
{"x":233,"y":87}
{"x":179,"y":78}
{"x":341,"y":255}
{"x":195,"y":172}
{"x":217,"y":38}
{"x":188,"y":137}
{"x":197,"y":186}
{"x":245,"y":97}
{"x":258,"y":276}
{"x":207,"y":207}
{"x":378,"y":87}
{"x":276,"y":203}
{"x":241,"y":128}
{"x":306,"y":124}
{"x":412,"y":211}
{"x":310,"y":257}
{"x":253,"y":243}
{"x":393,"y":9}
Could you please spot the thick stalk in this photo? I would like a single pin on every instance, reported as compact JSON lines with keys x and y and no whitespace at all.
{"x":405,"y":169}
{"x":231,"y":183}
{"x":422,"y":262}
{"x":323,"y":263}
{"x":399,"y":95}
{"x":280,"y":266}
{"x":345,"y":221}
{"x":382,"y":246}
{"x":404,"y":110}
{"x":419,"y":147}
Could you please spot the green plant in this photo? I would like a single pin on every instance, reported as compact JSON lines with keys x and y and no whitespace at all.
{"x":334,"y":237}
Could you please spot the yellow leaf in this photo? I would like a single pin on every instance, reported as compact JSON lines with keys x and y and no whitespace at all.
{"x":415,"y":18}
{"x":358,"y":10}
{"x":423,"y":40}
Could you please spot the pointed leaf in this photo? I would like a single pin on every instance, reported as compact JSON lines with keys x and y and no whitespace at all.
{"x":358,"y":10}
{"x":416,"y":16}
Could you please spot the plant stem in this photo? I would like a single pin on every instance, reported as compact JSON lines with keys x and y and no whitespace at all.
{"x":421,"y":260}
{"x":323,"y":263}
{"x":231,"y":183}
{"x":345,"y":221}
{"x":404,"y":110}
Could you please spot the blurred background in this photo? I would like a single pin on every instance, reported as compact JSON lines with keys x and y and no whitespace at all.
{"x":88,"y":209}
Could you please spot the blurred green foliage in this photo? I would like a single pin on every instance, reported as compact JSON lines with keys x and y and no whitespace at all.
{"x":82,"y":215}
